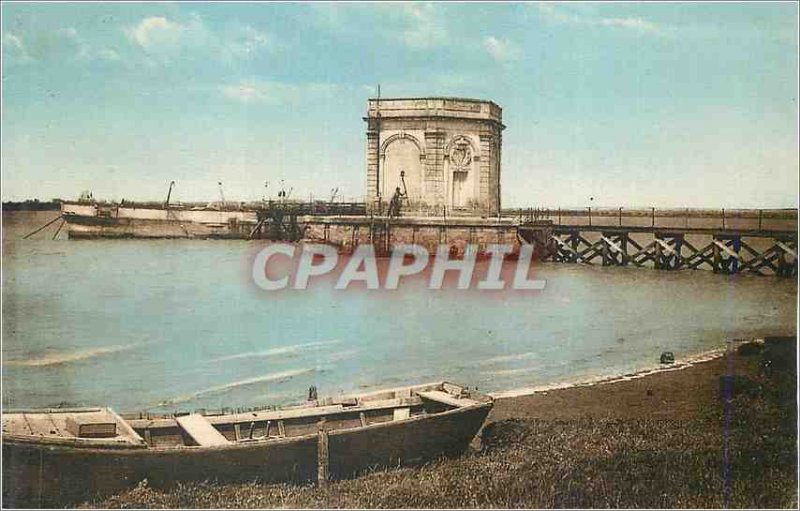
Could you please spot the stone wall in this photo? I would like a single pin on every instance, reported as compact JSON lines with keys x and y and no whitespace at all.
{"x":347,"y":234}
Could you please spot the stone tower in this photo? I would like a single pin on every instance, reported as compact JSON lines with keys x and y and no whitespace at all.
{"x":448,"y":150}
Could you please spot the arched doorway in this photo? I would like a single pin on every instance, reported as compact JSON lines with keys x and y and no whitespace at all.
{"x":461,"y":173}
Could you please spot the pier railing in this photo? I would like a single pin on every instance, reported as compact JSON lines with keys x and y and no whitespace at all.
{"x":661,"y":218}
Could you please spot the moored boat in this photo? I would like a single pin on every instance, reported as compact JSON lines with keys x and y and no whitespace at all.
{"x":62,"y":456}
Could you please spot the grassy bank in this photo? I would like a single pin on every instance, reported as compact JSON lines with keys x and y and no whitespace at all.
{"x":661,"y":441}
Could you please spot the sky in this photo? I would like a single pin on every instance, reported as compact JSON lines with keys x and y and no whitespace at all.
{"x":606,"y":104}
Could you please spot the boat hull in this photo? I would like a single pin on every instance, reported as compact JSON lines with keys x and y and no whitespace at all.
{"x":84,"y":227}
{"x":36,"y":475}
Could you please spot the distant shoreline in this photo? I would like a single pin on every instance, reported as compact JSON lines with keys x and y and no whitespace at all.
{"x":32,"y":205}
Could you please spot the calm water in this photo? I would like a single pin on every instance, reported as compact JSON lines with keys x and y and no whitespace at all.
{"x":176,"y":325}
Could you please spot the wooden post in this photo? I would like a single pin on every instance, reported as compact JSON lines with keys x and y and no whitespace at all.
{"x":559,"y":216}
{"x":659,"y":258}
{"x":322,"y":454}
{"x":723,"y":218}
{"x":782,"y":265}
{"x":386,"y":238}
{"x":620,"y":217}
{"x":590,"y":216}
{"x":760,"y":215}
{"x":653,"y":224}
{"x":624,"y":243}
{"x":574,"y":241}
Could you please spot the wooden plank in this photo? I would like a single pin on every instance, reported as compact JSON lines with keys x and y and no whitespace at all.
{"x":612,"y":245}
{"x":445,"y":398}
{"x":665,"y":245}
{"x":452,"y":389}
{"x":313,"y":411}
{"x":201,"y":431}
{"x":401,"y":414}
{"x":563,"y":244}
{"x":91,"y":426}
{"x":786,"y":248}
{"x":725,"y":248}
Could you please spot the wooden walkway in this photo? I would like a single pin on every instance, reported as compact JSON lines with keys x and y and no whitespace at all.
{"x":725,"y":251}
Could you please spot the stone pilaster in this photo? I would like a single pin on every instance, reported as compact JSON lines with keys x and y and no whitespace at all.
{"x":485,"y":167}
{"x":372,"y":166}
{"x":496,"y":203}
{"x":434,"y":165}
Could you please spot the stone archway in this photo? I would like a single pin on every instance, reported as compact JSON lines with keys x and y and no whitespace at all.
{"x":402,"y":152}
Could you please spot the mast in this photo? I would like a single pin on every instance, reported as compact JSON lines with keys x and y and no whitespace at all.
{"x":221,"y":195}
{"x":169,"y":193}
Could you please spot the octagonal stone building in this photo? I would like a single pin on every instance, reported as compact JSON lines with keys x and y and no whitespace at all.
{"x":448,"y":150}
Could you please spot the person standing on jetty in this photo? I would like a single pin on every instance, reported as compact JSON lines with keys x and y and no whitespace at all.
{"x":395,"y":202}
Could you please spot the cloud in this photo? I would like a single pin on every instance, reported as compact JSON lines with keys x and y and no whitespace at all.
{"x":14,"y":48}
{"x":632,"y":23}
{"x":164,"y":38}
{"x":107,"y":54}
{"x":246,"y":41}
{"x":413,"y":25}
{"x":572,"y":15}
{"x":271,"y":92}
{"x":82,"y":50}
{"x":156,"y":30}
{"x":422,"y":26}
{"x":500,"y":49}
{"x":63,"y":44}
{"x":248,"y":93}
{"x":164,"y":41}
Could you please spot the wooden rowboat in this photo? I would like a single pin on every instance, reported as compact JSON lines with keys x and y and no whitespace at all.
{"x":55,"y":457}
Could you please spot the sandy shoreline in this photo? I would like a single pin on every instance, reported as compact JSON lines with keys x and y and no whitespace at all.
{"x":679,"y":364}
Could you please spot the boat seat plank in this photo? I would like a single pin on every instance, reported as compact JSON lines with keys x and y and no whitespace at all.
{"x":401,"y":414}
{"x":201,"y":431}
{"x":445,"y":398}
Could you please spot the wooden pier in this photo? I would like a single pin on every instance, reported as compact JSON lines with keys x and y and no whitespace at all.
{"x":762,"y":242}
